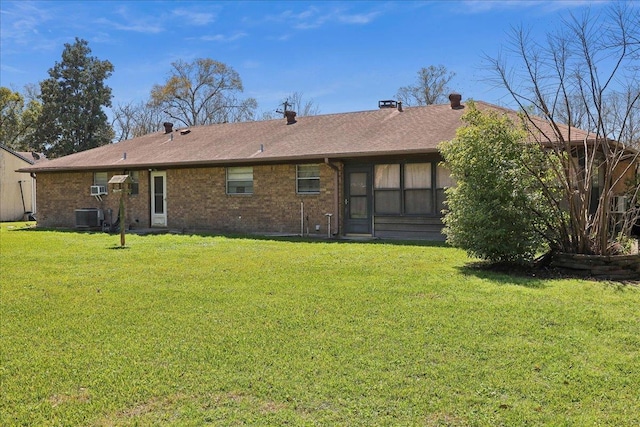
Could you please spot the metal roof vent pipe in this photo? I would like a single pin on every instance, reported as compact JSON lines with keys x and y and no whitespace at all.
{"x":168,"y":127}
{"x":400,"y":106}
{"x":291,"y":117}
{"x":455,"y":99}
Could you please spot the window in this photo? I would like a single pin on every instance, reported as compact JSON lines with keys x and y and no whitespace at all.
{"x":408,"y":188}
{"x":100,"y":178}
{"x":308,"y":179}
{"x":417,"y":188}
{"x":240,"y":180}
{"x":134,"y":185}
{"x":387,"y":189}
{"x":443,"y":180}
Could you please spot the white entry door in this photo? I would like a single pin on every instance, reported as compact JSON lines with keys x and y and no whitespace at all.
{"x":158,"y":199}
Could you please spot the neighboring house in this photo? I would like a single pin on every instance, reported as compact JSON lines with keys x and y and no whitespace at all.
{"x":17,"y":190}
{"x":372,"y":173}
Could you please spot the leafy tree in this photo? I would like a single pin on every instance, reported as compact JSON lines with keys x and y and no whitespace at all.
{"x":203,"y":92}
{"x":430,"y":87}
{"x":72,"y":98}
{"x":586,"y":74}
{"x":17,"y":119}
{"x":494,"y":212}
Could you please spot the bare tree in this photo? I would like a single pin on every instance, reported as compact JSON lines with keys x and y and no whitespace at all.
{"x":584,"y":75}
{"x":301,"y":106}
{"x":295,"y":102}
{"x":430,"y":87}
{"x":135,"y":119}
{"x":203,"y":92}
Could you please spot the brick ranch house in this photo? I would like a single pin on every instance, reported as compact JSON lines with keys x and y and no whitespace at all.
{"x":372,"y":173}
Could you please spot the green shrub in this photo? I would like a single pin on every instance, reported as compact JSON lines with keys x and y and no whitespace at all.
{"x":495,"y":211}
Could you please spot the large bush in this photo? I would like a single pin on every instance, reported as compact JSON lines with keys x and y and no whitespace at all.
{"x":495,"y":211}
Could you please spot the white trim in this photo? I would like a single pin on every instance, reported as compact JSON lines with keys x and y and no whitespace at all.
{"x":158,"y":219}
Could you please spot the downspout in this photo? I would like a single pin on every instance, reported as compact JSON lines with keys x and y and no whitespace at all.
{"x":150,"y":215}
{"x":336,"y":201}
{"x":34,"y":208}
{"x":24,"y":206}
{"x":301,"y":219}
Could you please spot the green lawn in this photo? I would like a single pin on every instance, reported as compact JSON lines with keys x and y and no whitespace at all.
{"x":197,"y":330}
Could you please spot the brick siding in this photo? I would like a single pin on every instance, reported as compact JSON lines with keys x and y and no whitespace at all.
{"x":64,"y":192}
{"x":197,"y":201}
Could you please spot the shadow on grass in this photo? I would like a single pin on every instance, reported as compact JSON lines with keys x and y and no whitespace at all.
{"x":239,"y":236}
{"x":535,"y":277}
{"x":334,"y":240}
{"x":528,"y":277}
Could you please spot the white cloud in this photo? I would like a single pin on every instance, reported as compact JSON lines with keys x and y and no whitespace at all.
{"x":482,"y":6}
{"x":251,"y":64}
{"x":21,"y":22}
{"x":133,"y":22}
{"x":359,"y":18}
{"x":195,"y":18}
{"x":314,"y":17}
{"x":223,"y":38}
{"x":9,"y":68}
{"x":139,"y":26}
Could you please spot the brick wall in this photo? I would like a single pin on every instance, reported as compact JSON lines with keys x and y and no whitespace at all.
{"x":64,"y":192}
{"x":197,"y":201}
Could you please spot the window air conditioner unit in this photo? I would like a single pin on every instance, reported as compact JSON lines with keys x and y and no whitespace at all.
{"x":619,"y":204}
{"x":98,"y":190}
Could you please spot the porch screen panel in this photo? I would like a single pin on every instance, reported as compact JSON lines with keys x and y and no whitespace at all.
{"x":418,"y":196}
{"x":387,"y":189}
{"x":358,"y":195}
{"x":443,"y":181}
{"x":387,"y":176}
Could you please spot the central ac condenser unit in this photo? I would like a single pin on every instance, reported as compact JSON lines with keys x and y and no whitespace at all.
{"x":89,"y":218}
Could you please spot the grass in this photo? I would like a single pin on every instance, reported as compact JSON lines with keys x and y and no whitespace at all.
{"x":206,"y":330}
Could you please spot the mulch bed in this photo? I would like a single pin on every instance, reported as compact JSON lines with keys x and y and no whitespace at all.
{"x":543,"y":270}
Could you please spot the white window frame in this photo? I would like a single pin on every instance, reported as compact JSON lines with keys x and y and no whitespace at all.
{"x":307,"y":178}
{"x":239,"y":174}
{"x":134,"y":186}
{"x":101,"y":178}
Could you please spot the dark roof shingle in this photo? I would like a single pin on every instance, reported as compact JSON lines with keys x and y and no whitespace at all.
{"x":346,"y":135}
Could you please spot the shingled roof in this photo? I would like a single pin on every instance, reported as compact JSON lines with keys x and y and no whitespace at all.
{"x":386,"y":131}
{"x":28,"y":156}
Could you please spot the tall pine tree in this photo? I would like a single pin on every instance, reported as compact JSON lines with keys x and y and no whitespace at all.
{"x":72,"y":97}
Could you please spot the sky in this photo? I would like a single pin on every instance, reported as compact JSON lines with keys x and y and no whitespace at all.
{"x":343,"y":56}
